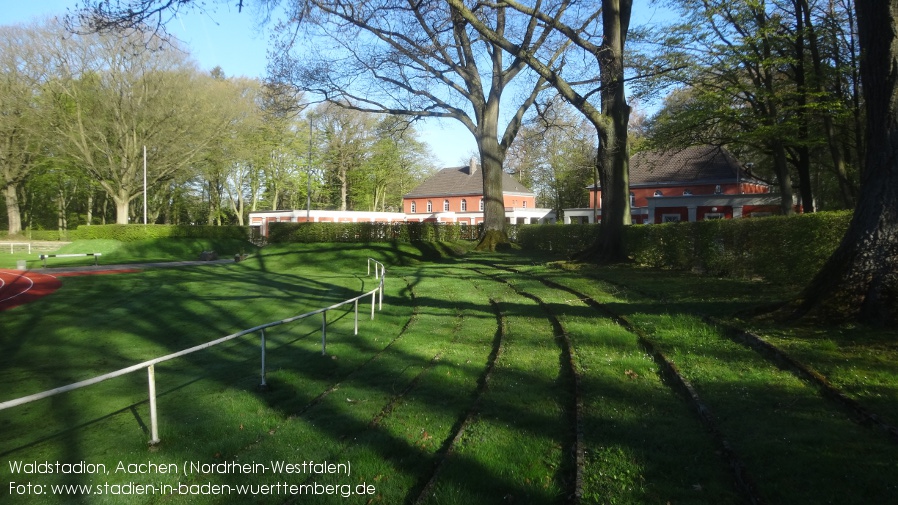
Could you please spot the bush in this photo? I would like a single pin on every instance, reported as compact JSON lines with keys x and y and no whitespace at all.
{"x":561,"y":238}
{"x":369,"y":232}
{"x":779,"y":248}
{"x":133,"y":232}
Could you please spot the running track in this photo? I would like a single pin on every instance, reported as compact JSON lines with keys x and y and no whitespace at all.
{"x":18,"y":287}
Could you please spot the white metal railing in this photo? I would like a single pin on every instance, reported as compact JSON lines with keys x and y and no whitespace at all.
{"x":379,"y":273}
{"x":13,"y":244}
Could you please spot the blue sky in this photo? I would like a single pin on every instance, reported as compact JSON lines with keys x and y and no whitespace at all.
{"x":230,"y":39}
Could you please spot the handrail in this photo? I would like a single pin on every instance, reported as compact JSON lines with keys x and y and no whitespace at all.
{"x":379,"y":272}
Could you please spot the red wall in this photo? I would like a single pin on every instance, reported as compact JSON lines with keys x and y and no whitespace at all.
{"x":473,"y":203}
{"x":642,"y":194}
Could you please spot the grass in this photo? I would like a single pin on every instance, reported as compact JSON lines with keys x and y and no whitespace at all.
{"x":116,"y":252}
{"x":474,"y":384}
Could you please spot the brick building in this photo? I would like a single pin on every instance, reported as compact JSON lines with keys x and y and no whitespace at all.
{"x":690,"y":184}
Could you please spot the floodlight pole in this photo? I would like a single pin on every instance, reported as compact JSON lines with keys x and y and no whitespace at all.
{"x":144,"y":185}
{"x":309,"y":178}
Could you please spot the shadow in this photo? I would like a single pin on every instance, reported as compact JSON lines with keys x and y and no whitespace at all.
{"x":406,"y":396}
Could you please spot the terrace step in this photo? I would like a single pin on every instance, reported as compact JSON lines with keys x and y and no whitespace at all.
{"x":37,"y":246}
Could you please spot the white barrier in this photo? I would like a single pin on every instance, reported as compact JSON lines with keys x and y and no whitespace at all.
{"x":13,"y":244}
{"x":78,"y":255}
{"x":379,"y":273}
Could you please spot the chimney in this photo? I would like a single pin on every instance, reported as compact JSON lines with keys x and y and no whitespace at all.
{"x":472,"y":166}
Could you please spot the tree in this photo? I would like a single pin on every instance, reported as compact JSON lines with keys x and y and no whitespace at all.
{"x":24,"y":69}
{"x":860,"y":280}
{"x":116,"y":97}
{"x":416,"y":59}
{"x":349,"y":135}
{"x":762,"y":78}
{"x":610,"y":120}
{"x":552,"y":154}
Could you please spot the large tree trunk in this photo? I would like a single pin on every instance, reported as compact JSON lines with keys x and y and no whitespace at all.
{"x":860,"y":280}
{"x":12,"y":209}
{"x":122,"y":201}
{"x":613,"y":159}
{"x":492,"y":157}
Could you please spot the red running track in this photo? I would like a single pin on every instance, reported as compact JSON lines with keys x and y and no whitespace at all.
{"x":18,"y":287}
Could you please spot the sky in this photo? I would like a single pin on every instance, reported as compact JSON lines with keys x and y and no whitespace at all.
{"x":232,"y":40}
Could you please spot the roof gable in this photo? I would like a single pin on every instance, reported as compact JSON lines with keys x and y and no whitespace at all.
{"x":457,"y":181}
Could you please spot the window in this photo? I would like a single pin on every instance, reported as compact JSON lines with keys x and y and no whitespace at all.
{"x":524,"y":204}
{"x":658,"y":192}
{"x":717,"y":190}
{"x":713,"y":215}
{"x":464,"y":205}
{"x":687,"y":192}
{"x":632,"y":199}
{"x":481,"y":205}
{"x":670,"y":218}
{"x":429,"y":206}
{"x":445,"y":205}
{"x":414,"y":207}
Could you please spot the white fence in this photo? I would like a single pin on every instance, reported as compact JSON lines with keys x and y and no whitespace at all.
{"x":13,"y":244}
{"x":377,"y":297}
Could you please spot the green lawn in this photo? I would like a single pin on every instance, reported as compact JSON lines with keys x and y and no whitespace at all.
{"x":499,"y":378}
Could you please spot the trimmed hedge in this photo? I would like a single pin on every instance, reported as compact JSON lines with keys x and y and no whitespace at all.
{"x":561,"y":238}
{"x":778,"y":248}
{"x":132,"y":232}
{"x":369,"y":232}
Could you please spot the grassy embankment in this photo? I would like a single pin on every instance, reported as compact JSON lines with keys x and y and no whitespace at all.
{"x":477,"y":383}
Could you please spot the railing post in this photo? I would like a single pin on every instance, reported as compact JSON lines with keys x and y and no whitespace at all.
{"x":356,"y":317}
{"x":373,"y":303}
{"x":154,"y":425}
{"x":263,"y":357}
{"x":324,"y":333}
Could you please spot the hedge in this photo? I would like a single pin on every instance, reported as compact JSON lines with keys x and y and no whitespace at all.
{"x":778,"y":248}
{"x":369,"y":232}
{"x":783,"y":249}
{"x":561,"y":238}
{"x":132,"y":232}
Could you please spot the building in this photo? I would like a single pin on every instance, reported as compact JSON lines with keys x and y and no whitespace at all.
{"x":455,"y":195}
{"x":452,"y":195}
{"x":690,"y":184}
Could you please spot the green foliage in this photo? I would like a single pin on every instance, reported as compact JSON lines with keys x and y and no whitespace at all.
{"x":130,"y":233}
{"x":565,"y":239}
{"x":369,"y":232}
{"x":782,"y":249}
